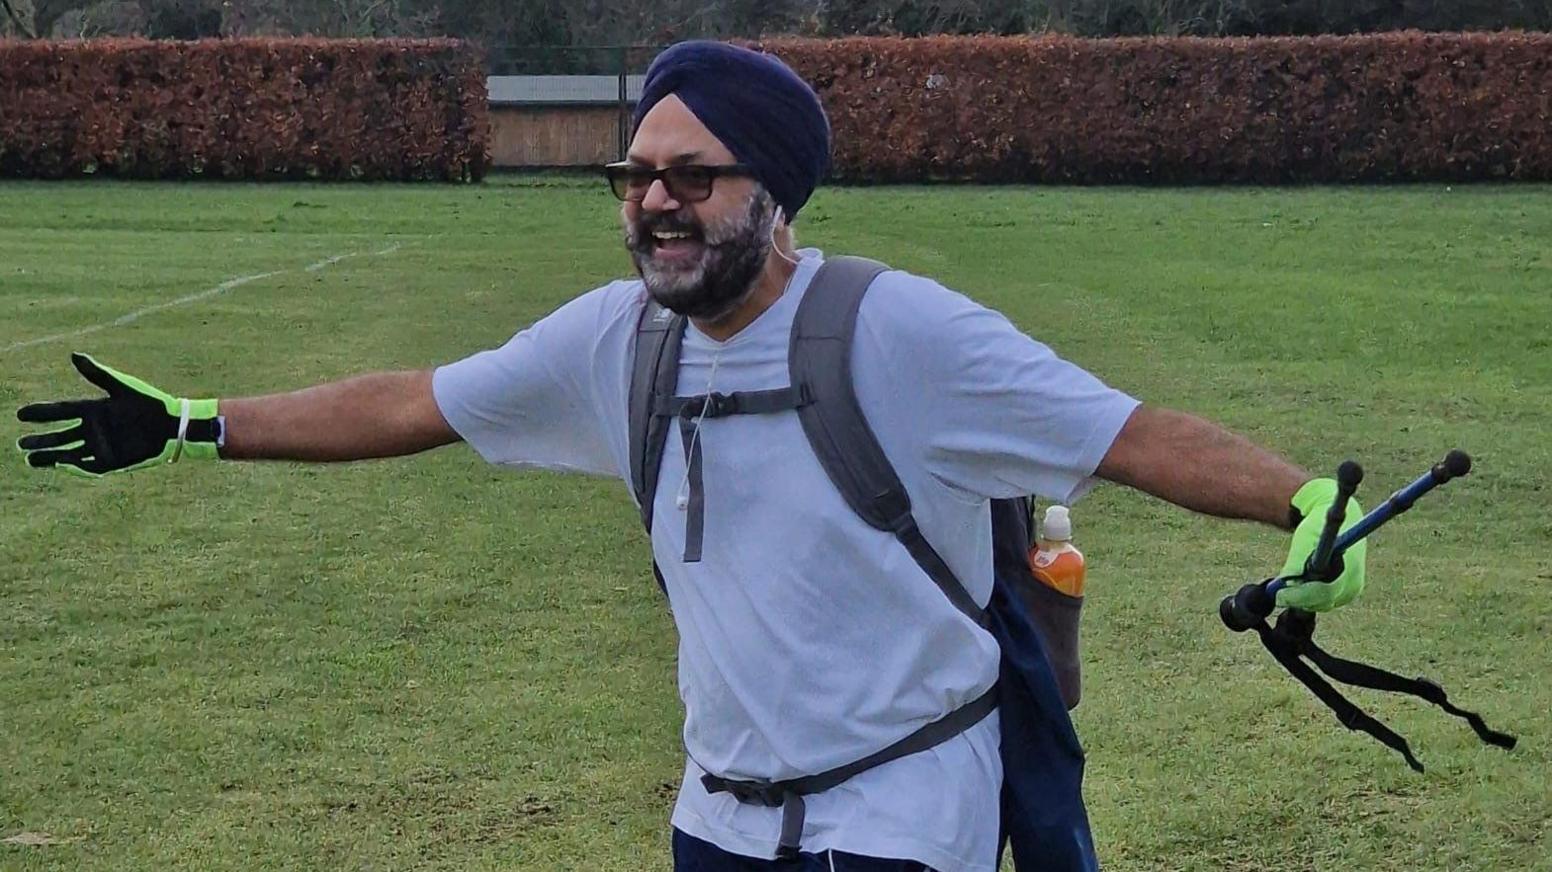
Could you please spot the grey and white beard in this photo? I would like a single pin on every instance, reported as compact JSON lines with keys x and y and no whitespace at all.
{"x":734,"y":253}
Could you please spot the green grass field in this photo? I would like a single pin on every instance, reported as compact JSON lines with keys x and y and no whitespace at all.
{"x":434,"y":664}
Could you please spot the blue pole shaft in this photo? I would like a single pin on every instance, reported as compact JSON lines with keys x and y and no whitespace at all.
{"x":1399,"y":502}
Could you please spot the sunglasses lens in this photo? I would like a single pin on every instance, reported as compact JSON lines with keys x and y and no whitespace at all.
{"x":629,"y":183}
{"x":689,"y":184}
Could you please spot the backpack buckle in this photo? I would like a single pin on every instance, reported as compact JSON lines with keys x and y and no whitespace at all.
{"x":714,"y":405}
{"x":766,"y":793}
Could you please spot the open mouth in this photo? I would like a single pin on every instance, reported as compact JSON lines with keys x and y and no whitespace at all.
{"x":676,"y":246}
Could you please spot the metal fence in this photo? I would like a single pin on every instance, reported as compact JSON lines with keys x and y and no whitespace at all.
{"x":554,"y":60}
{"x":564,"y":106}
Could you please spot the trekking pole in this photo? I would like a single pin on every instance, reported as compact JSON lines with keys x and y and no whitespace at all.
{"x":1291,"y":641}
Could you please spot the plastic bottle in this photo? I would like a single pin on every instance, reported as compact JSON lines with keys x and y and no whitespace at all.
{"x":1053,"y":560}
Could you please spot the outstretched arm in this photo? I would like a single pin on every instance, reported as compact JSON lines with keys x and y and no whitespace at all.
{"x":138,"y":425}
{"x":380,"y":415}
{"x":1200,"y":466}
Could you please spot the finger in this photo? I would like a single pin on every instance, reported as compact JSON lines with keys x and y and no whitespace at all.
{"x":46,"y":459}
{"x":56,"y":439}
{"x":47,"y":413}
{"x":95,"y":373}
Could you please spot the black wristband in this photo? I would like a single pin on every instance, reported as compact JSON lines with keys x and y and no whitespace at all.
{"x":203,"y":430}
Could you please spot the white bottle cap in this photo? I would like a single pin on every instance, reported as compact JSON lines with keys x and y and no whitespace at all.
{"x":1058,"y":526}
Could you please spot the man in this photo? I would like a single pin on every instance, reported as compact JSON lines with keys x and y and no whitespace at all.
{"x":808,"y":640}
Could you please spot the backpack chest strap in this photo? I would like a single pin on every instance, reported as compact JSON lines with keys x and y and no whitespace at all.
{"x":717,"y":405}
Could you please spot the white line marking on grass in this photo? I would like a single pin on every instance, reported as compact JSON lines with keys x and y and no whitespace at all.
{"x":206,"y":294}
{"x":328,"y":261}
{"x":36,"y":839}
{"x":135,"y":315}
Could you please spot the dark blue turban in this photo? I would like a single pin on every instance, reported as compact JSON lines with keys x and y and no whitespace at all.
{"x":768,"y":117}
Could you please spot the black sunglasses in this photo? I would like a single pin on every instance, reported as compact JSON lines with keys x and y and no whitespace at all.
{"x":687,"y":183}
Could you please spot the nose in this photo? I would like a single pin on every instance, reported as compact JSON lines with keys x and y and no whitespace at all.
{"x":658,"y":199}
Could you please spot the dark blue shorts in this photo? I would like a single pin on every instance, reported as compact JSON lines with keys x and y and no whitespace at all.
{"x":695,"y":855}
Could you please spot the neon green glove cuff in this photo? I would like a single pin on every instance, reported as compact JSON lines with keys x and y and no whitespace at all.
{"x":1312,"y":501}
{"x":180,"y":447}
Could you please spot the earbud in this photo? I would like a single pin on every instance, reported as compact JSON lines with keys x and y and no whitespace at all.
{"x":682,"y":501}
{"x":781,"y":216}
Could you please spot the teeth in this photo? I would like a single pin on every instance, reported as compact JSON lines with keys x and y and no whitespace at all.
{"x":672,"y":235}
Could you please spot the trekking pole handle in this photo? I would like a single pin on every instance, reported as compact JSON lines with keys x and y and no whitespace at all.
{"x":1324,"y":559}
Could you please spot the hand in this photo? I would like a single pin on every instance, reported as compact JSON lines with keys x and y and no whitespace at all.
{"x":1311,"y":502}
{"x":135,"y":426}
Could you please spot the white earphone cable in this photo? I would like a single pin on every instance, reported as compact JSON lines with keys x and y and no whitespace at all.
{"x":682,"y":497}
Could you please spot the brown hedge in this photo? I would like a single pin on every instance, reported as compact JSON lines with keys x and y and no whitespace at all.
{"x":1400,"y":106}
{"x":243,"y":109}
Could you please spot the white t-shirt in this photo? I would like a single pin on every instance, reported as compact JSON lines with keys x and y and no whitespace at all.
{"x":807,"y":639}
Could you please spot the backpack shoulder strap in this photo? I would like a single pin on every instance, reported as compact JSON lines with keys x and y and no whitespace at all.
{"x":820,"y":361}
{"x":654,"y":373}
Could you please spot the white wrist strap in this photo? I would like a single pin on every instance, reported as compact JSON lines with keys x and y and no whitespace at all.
{"x":183,"y":431}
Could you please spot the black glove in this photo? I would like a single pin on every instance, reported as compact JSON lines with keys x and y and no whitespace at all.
{"x":135,"y":426}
